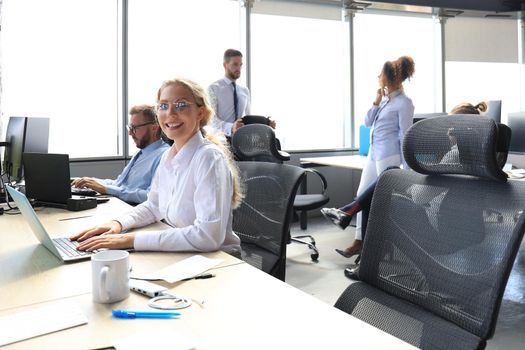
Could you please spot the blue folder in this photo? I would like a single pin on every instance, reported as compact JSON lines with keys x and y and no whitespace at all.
{"x":364,"y":140}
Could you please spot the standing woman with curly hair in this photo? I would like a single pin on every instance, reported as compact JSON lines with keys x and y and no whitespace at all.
{"x":390,"y":117}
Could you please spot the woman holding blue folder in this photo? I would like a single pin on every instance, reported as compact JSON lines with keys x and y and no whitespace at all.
{"x":389,"y":117}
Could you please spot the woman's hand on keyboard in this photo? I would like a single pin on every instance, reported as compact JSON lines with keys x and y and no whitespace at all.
{"x":107,"y":228}
{"x":104,"y":236}
{"x":109,"y":241}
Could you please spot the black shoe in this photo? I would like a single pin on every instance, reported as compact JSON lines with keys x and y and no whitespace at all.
{"x":352,"y":273}
{"x":338,"y":217}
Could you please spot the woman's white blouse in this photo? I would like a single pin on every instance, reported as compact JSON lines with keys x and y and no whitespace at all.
{"x":192,"y":191}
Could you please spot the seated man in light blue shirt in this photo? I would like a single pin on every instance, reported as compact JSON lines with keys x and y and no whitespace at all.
{"x":133,"y":184}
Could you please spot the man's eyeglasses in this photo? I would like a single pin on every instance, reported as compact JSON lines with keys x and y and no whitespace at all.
{"x":133,"y":128}
{"x":178,"y":106}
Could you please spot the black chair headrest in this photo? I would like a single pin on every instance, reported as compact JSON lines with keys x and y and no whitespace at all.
{"x":255,"y":119}
{"x":257,"y":142}
{"x":458,"y":144}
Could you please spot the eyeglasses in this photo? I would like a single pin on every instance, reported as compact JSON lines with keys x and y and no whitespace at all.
{"x":133,"y":128}
{"x":178,"y":106}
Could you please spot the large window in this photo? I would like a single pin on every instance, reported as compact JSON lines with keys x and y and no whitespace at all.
{"x":183,"y":38}
{"x":65,"y":60}
{"x":297,"y":73}
{"x":379,"y":38}
{"x":60,"y":60}
{"x":480,"y":65}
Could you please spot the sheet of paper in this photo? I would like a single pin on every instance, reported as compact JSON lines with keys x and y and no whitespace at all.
{"x":154,"y":340}
{"x":186,"y":268}
{"x":507,"y":167}
{"x":42,"y":320}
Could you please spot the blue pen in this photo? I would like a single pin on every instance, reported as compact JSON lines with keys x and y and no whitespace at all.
{"x":143,"y":314}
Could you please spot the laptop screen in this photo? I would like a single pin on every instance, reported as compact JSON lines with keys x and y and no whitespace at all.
{"x":47,"y":177}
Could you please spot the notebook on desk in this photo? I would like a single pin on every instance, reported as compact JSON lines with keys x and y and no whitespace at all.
{"x":62,"y":247}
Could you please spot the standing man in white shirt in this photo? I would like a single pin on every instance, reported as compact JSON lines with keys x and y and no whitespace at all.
{"x":229,"y":100}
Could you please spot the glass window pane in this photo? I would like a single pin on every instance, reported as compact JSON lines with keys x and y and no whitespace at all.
{"x":183,"y":38}
{"x":63,"y":64}
{"x":298,"y":78}
{"x":475,"y":73}
{"x":379,"y":38}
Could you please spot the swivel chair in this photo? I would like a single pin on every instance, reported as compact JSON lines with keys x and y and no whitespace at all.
{"x":257,"y":142}
{"x":435,"y":261}
{"x":262,"y":221}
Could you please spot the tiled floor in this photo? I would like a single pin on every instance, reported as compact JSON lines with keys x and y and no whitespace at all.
{"x":325,"y":279}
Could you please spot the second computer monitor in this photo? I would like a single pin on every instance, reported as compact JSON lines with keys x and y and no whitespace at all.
{"x":493,"y":110}
{"x":516,"y":123}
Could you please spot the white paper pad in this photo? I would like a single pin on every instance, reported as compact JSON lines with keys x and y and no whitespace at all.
{"x":154,"y":340}
{"x":186,"y":268}
{"x":43,"y":320}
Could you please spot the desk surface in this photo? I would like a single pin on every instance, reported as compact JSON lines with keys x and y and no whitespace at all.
{"x":244,"y":307}
{"x":354,"y":161}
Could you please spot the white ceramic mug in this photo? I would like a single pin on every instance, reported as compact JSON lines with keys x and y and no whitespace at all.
{"x":110,"y":276}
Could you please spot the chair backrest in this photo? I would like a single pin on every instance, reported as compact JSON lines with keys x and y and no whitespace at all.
{"x":257,"y":142}
{"x":262,"y":221}
{"x":460,"y":144}
{"x":446,"y":240}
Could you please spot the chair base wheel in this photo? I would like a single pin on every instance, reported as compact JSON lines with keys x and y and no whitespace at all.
{"x":311,"y":245}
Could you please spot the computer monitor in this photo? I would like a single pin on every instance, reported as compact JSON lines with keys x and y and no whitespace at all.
{"x":516,"y":123}
{"x":23,"y":134}
{"x":493,"y":110}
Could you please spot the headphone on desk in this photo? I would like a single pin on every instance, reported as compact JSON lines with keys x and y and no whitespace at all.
{"x":175,"y":304}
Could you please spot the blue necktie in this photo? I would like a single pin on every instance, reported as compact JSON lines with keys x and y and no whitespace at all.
{"x":235,"y":101}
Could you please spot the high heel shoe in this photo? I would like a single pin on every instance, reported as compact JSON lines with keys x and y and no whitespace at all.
{"x":353,"y":249}
{"x":347,"y":255}
{"x":338,"y":217}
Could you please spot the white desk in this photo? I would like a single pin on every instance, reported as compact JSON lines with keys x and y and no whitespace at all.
{"x":244,"y":307}
{"x":346,"y":179}
{"x":354,"y":161}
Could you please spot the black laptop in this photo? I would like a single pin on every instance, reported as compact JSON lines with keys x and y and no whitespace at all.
{"x":47,"y":179}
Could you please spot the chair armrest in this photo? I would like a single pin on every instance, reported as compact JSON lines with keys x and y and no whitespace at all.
{"x":282,"y":155}
{"x":321,"y":177}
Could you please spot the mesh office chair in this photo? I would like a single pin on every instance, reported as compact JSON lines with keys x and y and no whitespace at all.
{"x":435,"y":259}
{"x":257,"y":142}
{"x":262,"y":221}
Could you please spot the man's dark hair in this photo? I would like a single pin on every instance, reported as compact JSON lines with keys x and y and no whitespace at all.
{"x":231,"y":53}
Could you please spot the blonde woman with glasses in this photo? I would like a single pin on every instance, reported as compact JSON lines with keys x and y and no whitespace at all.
{"x":194,"y":190}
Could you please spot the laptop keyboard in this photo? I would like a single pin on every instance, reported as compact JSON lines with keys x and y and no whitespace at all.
{"x":69,"y":248}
